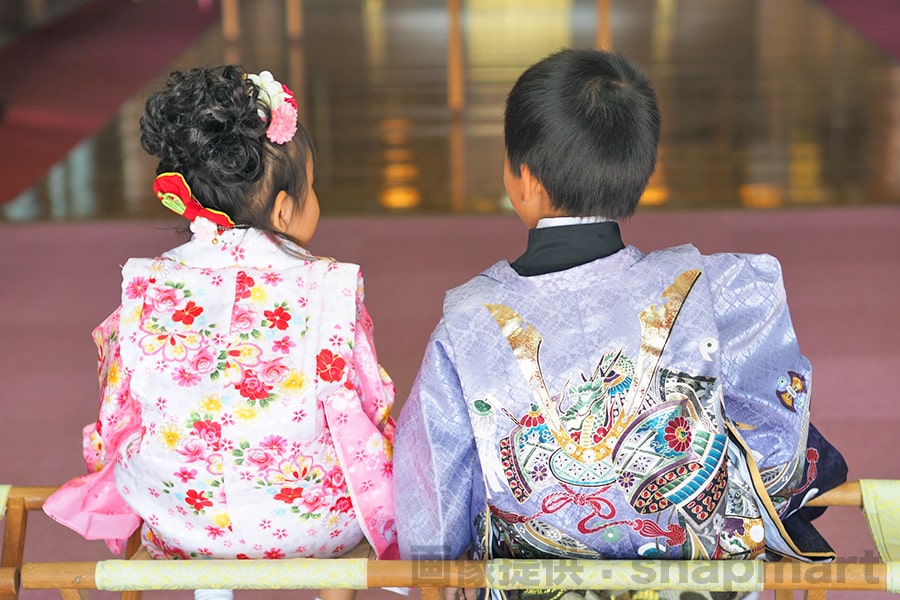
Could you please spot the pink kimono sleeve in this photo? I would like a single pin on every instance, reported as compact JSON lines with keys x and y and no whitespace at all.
{"x":358,"y":415}
{"x":91,"y":504}
{"x":375,"y":385}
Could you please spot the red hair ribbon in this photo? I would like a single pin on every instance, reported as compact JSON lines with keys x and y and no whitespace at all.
{"x":175,"y":194}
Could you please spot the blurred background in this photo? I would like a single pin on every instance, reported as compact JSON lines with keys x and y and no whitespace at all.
{"x":766,"y":103}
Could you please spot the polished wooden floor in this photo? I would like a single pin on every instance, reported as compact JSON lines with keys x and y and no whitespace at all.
{"x":766,"y":104}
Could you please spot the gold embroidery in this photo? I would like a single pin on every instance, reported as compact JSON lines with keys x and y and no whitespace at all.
{"x":656,"y":326}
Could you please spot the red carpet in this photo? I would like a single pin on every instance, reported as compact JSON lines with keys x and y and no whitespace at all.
{"x":876,"y":20}
{"x":57,"y":93}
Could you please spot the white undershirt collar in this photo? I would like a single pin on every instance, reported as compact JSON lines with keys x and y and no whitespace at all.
{"x":560,"y":221}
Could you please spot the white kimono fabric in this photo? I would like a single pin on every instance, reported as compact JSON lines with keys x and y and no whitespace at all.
{"x":636,"y":406}
{"x":243,"y":414}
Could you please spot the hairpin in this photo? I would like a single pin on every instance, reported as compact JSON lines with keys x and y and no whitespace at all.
{"x":281,"y":103}
{"x":175,"y":194}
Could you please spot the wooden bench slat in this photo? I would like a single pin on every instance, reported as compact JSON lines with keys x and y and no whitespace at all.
{"x":359,"y":569}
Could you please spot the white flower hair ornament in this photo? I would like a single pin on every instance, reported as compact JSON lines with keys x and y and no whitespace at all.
{"x":281,"y":103}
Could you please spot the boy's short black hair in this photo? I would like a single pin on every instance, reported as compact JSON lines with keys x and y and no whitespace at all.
{"x":586,"y":123}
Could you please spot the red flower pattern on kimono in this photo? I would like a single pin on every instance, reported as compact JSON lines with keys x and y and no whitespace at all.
{"x":329,"y":366}
{"x":252,"y":387}
{"x":278,"y":318}
{"x":197,"y":500}
{"x":678,"y":434}
{"x":244,"y":283}
{"x":187,"y":314}
{"x":289,"y":494}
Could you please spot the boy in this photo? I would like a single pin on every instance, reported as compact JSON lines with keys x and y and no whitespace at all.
{"x":592,"y":401}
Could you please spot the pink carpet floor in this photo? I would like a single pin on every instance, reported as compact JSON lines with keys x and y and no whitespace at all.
{"x":840,"y":265}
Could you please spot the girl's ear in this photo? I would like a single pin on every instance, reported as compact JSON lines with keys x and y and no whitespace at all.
{"x":282,"y":212}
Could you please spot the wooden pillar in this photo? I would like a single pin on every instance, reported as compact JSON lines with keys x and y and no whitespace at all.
{"x":604,"y":28}
{"x":455,"y":71}
{"x":294,"y":16}
{"x":231,"y":20}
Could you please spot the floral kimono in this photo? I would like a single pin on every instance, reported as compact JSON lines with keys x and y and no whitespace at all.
{"x":244,"y":413}
{"x":633,"y":406}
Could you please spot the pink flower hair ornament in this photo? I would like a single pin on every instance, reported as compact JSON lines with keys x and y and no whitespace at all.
{"x":281,"y":103}
{"x":175,"y":194}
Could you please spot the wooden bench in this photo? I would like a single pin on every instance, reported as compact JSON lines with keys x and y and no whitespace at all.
{"x":879,"y":500}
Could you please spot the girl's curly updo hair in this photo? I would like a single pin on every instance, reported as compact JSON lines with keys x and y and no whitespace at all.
{"x":206,"y":125}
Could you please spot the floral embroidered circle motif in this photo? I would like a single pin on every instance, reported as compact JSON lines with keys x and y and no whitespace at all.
{"x":678,"y":434}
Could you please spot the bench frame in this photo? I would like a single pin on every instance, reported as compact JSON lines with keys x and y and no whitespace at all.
{"x":358,"y":570}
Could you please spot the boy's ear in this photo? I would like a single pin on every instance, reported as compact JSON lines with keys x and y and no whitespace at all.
{"x":282,"y":212}
{"x":531,"y":185}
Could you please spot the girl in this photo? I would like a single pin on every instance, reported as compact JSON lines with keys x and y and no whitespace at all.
{"x":244,"y":413}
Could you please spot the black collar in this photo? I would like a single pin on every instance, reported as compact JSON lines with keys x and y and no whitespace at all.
{"x":552,"y":249}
